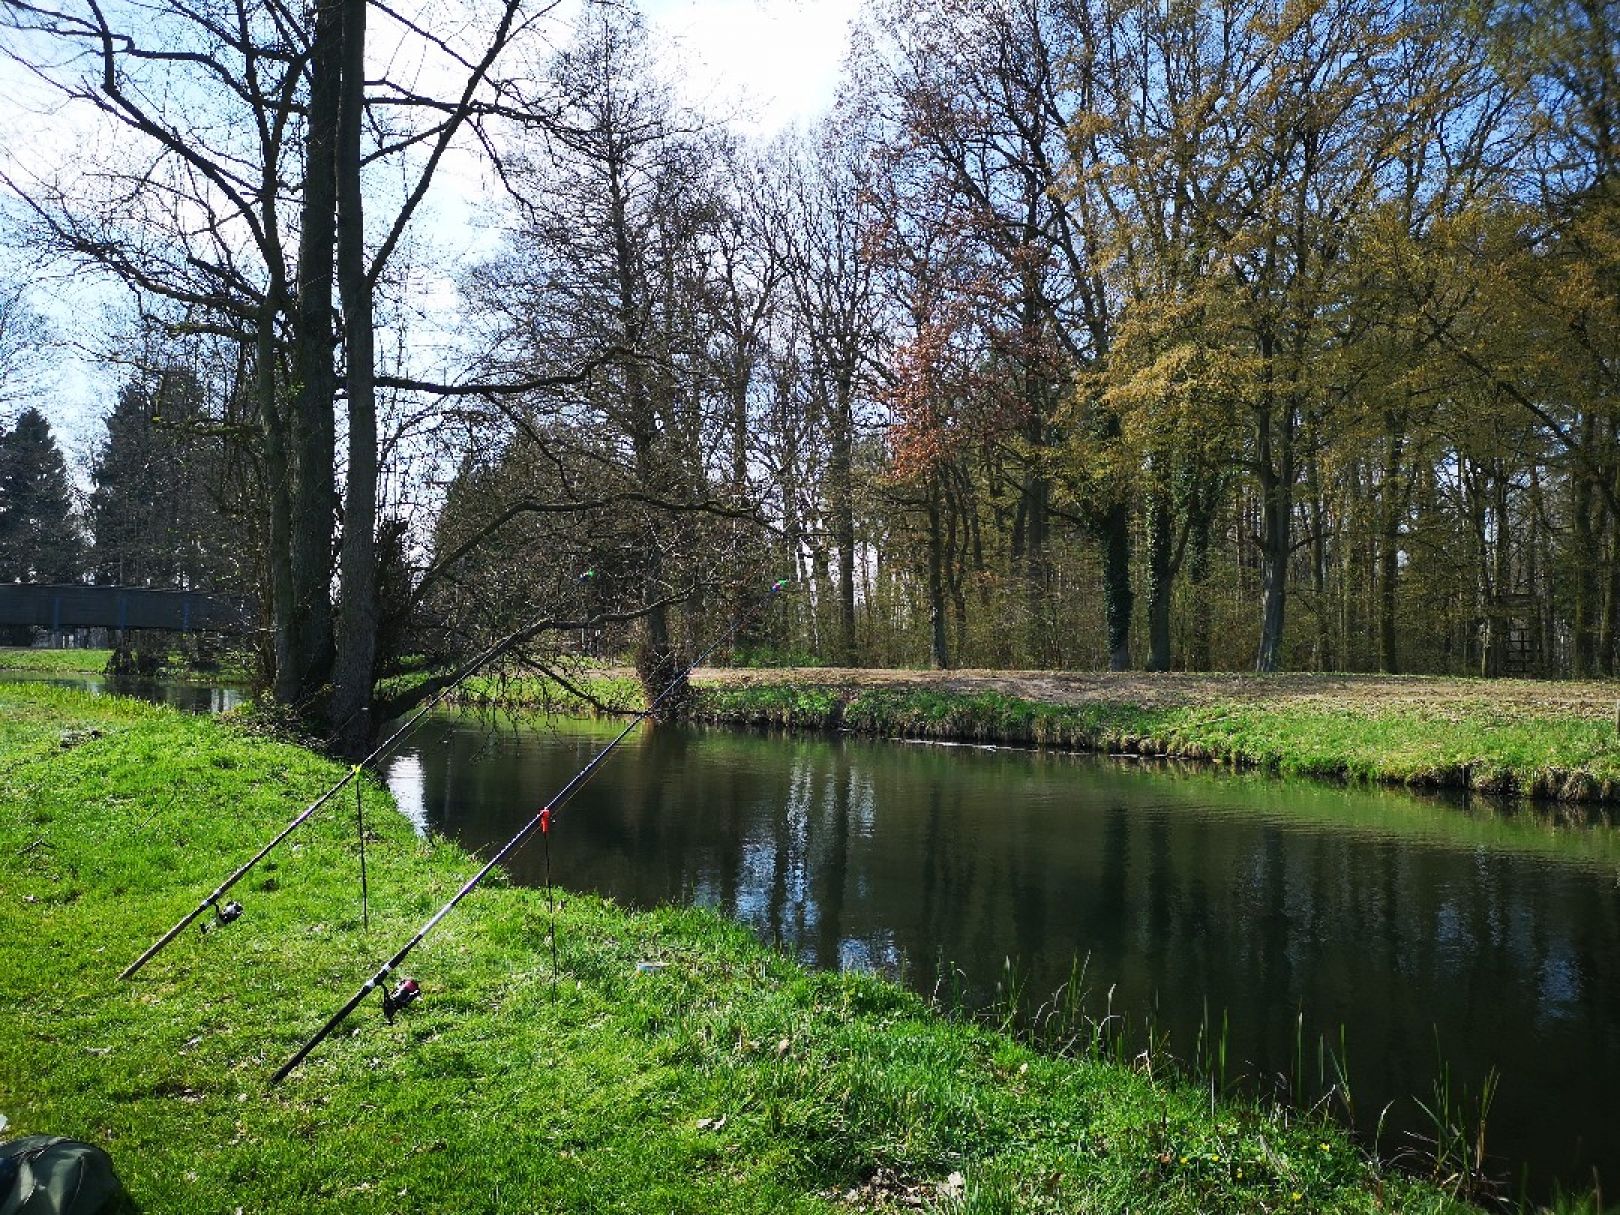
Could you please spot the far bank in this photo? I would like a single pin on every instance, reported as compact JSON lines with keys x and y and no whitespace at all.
{"x":1527,"y":738}
{"x":1542,"y":739}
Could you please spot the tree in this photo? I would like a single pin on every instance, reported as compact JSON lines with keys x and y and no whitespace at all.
{"x":818,"y":228}
{"x":155,"y":506}
{"x":993,"y":94}
{"x":23,"y":341}
{"x":39,"y":536}
{"x":195,"y":213}
{"x":617,"y":267}
{"x":1296,"y":97}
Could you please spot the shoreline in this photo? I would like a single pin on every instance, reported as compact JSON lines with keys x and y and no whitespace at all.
{"x":1543,"y":741}
{"x":1539,"y":740}
{"x":728,"y":1078}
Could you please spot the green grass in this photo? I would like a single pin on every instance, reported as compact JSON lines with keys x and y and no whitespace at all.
{"x":84,"y":662}
{"x":233,"y":668}
{"x":615,"y":691}
{"x":1565,"y":757}
{"x":729,"y":1080}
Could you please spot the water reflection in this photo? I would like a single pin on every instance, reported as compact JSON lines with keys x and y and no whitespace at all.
{"x":1297,"y":909}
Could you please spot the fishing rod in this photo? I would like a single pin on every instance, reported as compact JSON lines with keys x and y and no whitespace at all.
{"x":226,"y":913}
{"x":408,"y":989}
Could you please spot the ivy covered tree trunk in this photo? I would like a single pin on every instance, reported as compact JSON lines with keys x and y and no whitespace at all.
{"x":1161,"y":576}
{"x":1117,"y":596}
{"x":1389,"y":565}
{"x":1275,"y":461}
{"x":1201,"y":510}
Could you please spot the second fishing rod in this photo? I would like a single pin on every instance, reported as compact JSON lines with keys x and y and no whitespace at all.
{"x":228,"y":912}
{"x":408,"y":990}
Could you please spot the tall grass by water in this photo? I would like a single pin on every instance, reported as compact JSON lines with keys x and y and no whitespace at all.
{"x":1315,"y":1091}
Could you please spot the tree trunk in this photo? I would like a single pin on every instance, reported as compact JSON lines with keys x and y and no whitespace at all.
{"x":1584,"y":572}
{"x":1200,"y":522}
{"x":1117,"y":585}
{"x":273,"y":427}
{"x":353,"y":671}
{"x":1611,"y":601}
{"x":939,"y":652}
{"x":841,"y":500}
{"x":312,"y":433}
{"x":741,"y":377}
{"x":1539,"y":574}
{"x":1501,"y":561}
{"x":1389,"y":540}
{"x":1033,"y":510}
{"x":1160,"y":578}
{"x":1325,"y":658}
{"x":1276,"y":533}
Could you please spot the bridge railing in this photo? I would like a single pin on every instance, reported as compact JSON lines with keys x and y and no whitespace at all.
{"x":123,"y":607}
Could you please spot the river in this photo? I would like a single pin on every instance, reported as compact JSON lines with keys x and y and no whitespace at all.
{"x":1438,"y":934}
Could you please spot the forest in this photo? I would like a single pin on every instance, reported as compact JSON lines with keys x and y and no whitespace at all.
{"x":1235,"y":335}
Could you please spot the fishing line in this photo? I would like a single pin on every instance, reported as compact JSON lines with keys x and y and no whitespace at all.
{"x":224,"y":914}
{"x":360,"y":825}
{"x":408,"y":989}
{"x":551,"y":900}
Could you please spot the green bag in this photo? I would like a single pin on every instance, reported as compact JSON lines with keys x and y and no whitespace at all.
{"x":49,"y":1175}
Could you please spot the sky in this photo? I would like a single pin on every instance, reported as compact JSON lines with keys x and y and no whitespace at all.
{"x":778,"y":58}
{"x":763,"y":64}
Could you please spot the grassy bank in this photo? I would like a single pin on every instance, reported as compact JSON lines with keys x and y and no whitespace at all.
{"x":1557,"y":741}
{"x":1435,"y":734}
{"x":67,"y":662}
{"x":233,"y":669}
{"x":726,"y":1079}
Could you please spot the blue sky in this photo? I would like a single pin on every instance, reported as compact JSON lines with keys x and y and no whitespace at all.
{"x":765,"y":64}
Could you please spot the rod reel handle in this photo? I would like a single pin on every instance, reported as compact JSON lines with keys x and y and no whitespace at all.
{"x":226,"y":913}
{"x":405,"y":993}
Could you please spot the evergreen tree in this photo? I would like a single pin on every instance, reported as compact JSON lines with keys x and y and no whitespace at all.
{"x":154,"y":516}
{"x":39,"y":537}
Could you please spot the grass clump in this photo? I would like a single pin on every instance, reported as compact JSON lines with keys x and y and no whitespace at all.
{"x":726,"y":1078}
{"x":175,"y":664}
{"x":75,"y":662}
{"x":583,"y":693}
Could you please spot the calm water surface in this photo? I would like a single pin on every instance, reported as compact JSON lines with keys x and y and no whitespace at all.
{"x":1426,"y":929}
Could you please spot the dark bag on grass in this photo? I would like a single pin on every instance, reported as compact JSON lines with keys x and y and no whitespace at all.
{"x":49,"y":1175}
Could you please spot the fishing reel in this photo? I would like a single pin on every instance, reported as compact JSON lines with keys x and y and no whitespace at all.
{"x":403,"y":995}
{"x":223,"y":914}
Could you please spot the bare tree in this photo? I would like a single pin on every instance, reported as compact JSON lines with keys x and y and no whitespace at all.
{"x":819,"y":227}
{"x":238,"y":119}
{"x":24,"y":343}
{"x":628,"y":263}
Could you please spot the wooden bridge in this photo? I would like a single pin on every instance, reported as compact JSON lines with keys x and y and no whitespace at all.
{"x":122,"y":607}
